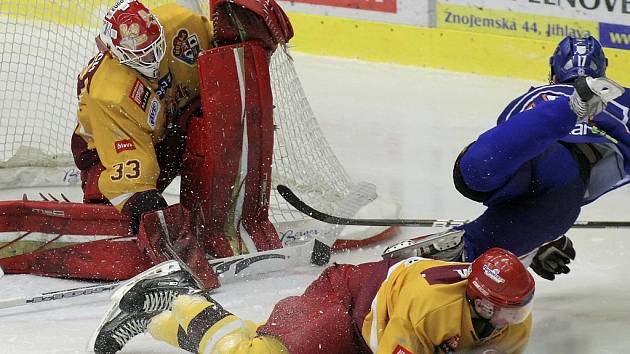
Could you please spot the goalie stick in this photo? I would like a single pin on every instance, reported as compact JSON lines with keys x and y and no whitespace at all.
{"x":300,"y":205}
{"x":57,"y":295}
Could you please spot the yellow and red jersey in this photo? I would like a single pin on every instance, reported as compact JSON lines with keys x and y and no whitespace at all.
{"x":422,"y":307}
{"x":123,"y":115}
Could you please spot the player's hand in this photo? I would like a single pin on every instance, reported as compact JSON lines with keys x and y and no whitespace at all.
{"x":553,"y":258}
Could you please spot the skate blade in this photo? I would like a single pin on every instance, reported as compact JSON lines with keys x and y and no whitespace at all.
{"x":424,"y":246}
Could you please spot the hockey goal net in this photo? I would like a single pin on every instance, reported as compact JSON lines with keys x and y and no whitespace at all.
{"x":43,"y":46}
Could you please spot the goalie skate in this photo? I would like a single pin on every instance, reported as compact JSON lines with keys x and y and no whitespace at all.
{"x":446,"y":246}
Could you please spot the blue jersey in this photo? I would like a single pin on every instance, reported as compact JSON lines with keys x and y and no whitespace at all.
{"x":527,"y":172}
{"x":609,"y":131}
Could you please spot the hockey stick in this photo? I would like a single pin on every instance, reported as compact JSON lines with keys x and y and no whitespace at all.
{"x":300,"y":205}
{"x":316,"y":251}
{"x":57,"y":295}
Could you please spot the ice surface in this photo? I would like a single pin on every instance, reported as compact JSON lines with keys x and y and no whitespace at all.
{"x":400,"y":128}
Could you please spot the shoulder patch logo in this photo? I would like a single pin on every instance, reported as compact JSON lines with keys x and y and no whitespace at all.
{"x":401,"y":350}
{"x":154,"y":110}
{"x":140,"y":94}
{"x":186,"y":47}
{"x":124,"y":145}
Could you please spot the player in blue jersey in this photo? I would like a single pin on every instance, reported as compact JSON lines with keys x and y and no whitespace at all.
{"x":554,"y":149}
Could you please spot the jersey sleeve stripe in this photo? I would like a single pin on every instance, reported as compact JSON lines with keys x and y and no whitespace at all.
{"x":526,"y":99}
{"x":224,"y":331}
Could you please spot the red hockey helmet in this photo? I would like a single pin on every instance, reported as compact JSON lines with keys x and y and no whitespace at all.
{"x":134,"y":36}
{"x":501,"y":287}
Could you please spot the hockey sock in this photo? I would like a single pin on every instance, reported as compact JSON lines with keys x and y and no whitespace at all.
{"x":200,"y":325}
{"x":164,"y":327}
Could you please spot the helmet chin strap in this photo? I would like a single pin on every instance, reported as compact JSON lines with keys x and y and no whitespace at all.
{"x":102,"y":47}
{"x":481,"y":325}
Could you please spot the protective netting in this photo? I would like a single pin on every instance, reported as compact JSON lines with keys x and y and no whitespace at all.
{"x":44,"y":45}
{"x":302,"y":158}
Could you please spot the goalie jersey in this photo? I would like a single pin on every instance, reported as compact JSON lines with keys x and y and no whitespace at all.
{"x":122,"y":115}
{"x":422,"y":308}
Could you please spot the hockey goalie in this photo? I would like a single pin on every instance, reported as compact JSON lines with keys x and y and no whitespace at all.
{"x":170,"y":93}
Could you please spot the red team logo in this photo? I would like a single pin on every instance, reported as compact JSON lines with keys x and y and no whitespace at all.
{"x":124,"y":145}
{"x":140,"y":94}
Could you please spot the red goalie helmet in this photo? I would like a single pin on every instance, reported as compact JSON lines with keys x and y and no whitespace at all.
{"x":500,"y":287}
{"x":134,"y":36}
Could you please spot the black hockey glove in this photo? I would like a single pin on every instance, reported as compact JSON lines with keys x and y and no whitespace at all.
{"x":552,"y":259}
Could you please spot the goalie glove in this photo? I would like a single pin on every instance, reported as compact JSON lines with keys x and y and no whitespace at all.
{"x":553,"y":258}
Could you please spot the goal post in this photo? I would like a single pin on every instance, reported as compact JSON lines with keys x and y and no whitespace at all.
{"x":43,"y":47}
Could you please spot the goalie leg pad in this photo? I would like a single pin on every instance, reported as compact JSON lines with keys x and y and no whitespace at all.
{"x":226,"y":178}
{"x":171,"y":233}
{"x":99,"y":260}
{"x":260,"y":130}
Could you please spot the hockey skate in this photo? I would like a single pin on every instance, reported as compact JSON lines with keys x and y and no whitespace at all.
{"x":136,"y":301}
{"x":592,"y":95}
{"x":445,"y":246}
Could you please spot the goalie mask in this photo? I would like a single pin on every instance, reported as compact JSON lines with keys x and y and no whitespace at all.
{"x":134,"y":36}
{"x":500,"y":288}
